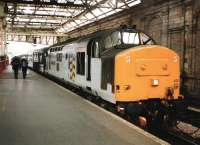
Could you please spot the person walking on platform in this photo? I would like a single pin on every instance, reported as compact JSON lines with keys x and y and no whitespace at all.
{"x":15,"y":65}
{"x":24,"y":65}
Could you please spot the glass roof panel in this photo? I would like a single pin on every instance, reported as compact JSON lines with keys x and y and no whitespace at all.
{"x":73,"y":23}
{"x":134,"y":3}
{"x":105,"y":9}
{"x":64,"y":18}
{"x":97,"y":12}
{"x":89,"y":16}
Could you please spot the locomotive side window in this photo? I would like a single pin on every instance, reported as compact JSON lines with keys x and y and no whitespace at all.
{"x":80,"y":57}
{"x":111,"y":40}
{"x":96,"y":49}
{"x":108,"y":42}
{"x":116,"y":38}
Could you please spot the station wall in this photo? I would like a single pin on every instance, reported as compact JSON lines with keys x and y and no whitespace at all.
{"x":172,"y":23}
{"x":2,"y":30}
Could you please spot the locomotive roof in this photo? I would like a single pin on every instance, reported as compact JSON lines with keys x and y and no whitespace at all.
{"x":93,"y":35}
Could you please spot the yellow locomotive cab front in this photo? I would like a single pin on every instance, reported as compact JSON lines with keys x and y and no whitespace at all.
{"x":147,"y":72}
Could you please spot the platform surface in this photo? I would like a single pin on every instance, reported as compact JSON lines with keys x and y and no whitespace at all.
{"x":36,"y":111}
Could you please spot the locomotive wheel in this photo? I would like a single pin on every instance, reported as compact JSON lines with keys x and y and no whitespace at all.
{"x":142,"y":121}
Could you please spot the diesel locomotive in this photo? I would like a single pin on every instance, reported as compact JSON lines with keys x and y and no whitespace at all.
{"x":122,"y":66}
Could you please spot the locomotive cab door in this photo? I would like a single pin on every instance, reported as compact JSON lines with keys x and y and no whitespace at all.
{"x":89,"y":52}
{"x":95,"y":65}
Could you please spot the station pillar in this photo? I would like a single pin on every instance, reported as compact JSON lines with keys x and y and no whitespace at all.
{"x":2,"y":29}
{"x":3,"y":52}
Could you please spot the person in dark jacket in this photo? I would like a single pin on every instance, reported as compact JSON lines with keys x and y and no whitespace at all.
{"x":15,"y":62}
{"x":24,"y":65}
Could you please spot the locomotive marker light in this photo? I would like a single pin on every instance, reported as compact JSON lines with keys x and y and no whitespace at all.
{"x":175,"y":59}
{"x":128,"y":59}
{"x":120,"y":109}
{"x":155,"y":82}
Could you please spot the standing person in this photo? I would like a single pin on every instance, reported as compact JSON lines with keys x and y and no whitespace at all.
{"x":15,"y":62}
{"x":24,"y":65}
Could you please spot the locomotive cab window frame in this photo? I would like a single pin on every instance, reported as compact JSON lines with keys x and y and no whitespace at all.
{"x":146,"y":40}
{"x":130,"y":38}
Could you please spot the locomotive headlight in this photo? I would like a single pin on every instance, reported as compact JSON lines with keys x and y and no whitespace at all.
{"x":155,"y":82}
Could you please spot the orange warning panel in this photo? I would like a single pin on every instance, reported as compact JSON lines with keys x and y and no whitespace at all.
{"x":146,"y":72}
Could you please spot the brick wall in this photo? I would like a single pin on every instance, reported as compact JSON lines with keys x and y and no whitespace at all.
{"x":172,"y":23}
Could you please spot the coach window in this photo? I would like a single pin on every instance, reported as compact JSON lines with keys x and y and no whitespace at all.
{"x":61,"y":48}
{"x":57,"y":67}
{"x":96,"y":50}
{"x":59,"y":56}
{"x":66,"y":56}
{"x":40,"y":57}
{"x":80,"y":63}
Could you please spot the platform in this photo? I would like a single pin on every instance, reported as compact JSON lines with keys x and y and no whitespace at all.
{"x":36,"y":111}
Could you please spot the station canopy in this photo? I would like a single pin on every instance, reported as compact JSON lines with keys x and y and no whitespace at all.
{"x":61,"y":16}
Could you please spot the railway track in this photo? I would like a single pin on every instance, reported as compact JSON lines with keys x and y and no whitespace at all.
{"x":191,"y":117}
{"x":171,"y":136}
{"x":179,"y":138}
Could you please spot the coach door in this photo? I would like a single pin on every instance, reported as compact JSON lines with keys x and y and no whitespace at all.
{"x":89,"y":53}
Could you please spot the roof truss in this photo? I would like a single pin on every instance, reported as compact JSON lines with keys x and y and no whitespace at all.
{"x":61,"y":15}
